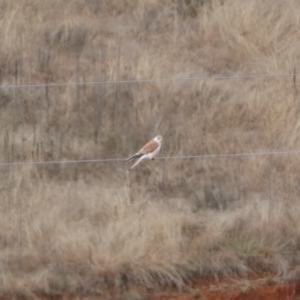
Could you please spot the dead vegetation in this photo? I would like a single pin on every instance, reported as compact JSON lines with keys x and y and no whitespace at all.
{"x":79,"y":228}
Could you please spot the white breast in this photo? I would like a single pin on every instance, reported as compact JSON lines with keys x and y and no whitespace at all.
{"x":155,"y":152}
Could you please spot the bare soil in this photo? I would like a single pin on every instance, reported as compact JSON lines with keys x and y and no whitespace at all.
{"x":262,"y":286}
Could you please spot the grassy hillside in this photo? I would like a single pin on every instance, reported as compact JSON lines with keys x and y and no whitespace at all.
{"x":67,"y":228}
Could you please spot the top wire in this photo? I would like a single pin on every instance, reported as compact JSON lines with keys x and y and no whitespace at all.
{"x":136,"y":81}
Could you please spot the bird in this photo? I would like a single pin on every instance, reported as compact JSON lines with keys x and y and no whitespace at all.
{"x":148,"y":152}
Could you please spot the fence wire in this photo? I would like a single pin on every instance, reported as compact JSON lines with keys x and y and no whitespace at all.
{"x":182,"y":157}
{"x":137,"y":81}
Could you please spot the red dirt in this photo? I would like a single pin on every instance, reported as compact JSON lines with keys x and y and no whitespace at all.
{"x":257,"y":287}
{"x":262,"y":288}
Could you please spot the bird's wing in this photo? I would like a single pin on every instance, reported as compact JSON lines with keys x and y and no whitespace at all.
{"x":149,"y":147}
{"x":135,"y":156}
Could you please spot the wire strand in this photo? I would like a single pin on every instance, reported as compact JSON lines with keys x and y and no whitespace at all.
{"x":136,"y":81}
{"x":110,"y":160}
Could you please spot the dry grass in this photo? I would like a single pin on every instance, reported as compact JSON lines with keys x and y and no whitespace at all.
{"x":82,"y":228}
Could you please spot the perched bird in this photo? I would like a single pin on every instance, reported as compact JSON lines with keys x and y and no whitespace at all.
{"x":147,"y":152}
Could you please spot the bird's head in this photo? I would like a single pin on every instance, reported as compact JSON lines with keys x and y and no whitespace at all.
{"x":158,"y":138}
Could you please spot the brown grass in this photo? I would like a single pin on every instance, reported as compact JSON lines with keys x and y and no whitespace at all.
{"x":83,"y":227}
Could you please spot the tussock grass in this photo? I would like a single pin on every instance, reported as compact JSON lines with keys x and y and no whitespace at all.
{"x":78,"y":237}
{"x":81,"y":228}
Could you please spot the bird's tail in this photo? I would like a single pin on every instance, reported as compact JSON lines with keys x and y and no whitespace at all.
{"x":137,"y":162}
{"x":135,"y":156}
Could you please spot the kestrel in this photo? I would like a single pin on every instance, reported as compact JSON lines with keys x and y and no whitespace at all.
{"x":148,"y":152}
